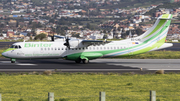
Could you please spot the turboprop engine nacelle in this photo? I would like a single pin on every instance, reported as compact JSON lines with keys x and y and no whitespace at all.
{"x":75,"y":43}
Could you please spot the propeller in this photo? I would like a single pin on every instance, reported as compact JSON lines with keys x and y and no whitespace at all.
{"x":67,"y":42}
{"x":52,"y":37}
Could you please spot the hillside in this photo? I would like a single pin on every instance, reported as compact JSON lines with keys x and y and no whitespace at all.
{"x":127,"y":4}
{"x":165,"y":5}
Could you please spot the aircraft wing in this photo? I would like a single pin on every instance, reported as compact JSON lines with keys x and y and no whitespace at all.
{"x":59,"y":36}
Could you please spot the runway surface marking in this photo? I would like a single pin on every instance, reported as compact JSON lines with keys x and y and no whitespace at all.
{"x":164,"y":69}
{"x":26,"y":64}
{"x":94,"y":70}
{"x":96,"y":65}
{"x":151,"y":66}
{"x":17,"y":63}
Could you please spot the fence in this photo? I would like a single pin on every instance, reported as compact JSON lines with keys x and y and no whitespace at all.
{"x":102,"y":97}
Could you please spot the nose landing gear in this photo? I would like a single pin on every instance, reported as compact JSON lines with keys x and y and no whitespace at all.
{"x":13,"y":60}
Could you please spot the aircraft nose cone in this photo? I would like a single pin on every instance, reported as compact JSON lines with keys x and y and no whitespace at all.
{"x":4,"y":54}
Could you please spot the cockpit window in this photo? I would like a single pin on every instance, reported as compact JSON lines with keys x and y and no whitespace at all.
{"x":16,"y":46}
{"x":12,"y":46}
{"x":19,"y":47}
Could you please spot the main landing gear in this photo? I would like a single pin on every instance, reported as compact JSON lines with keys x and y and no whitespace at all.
{"x":13,"y":60}
{"x":85,"y":61}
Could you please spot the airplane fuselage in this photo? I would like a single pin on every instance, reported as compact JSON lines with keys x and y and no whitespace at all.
{"x":31,"y":50}
{"x":85,"y":50}
{"x":58,"y":50}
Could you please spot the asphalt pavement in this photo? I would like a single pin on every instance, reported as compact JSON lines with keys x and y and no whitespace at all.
{"x":98,"y":65}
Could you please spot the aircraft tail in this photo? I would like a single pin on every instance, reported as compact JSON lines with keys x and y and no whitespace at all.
{"x":158,"y":32}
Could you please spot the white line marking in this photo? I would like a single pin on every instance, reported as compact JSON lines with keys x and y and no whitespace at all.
{"x":17,"y":63}
{"x":86,"y":70}
{"x":123,"y":65}
{"x":5,"y":61}
{"x":26,"y":64}
{"x":163,"y":69}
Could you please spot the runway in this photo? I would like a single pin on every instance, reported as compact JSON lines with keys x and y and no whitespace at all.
{"x":98,"y":65}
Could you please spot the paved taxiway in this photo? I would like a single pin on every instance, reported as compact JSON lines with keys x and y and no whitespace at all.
{"x":98,"y":65}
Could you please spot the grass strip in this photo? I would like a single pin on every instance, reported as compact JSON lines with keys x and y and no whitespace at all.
{"x":86,"y":87}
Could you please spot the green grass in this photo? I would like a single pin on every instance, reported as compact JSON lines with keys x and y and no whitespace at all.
{"x":86,"y":87}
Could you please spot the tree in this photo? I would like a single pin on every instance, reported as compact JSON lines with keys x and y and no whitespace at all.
{"x":88,"y":26}
{"x":40,"y":36}
{"x":139,"y":31}
{"x":76,"y":35}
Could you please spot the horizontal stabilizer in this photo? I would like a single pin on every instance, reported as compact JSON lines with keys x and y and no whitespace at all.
{"x":167,"y":19}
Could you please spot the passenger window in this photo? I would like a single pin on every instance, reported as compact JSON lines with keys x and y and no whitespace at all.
{"x":55,"y":48}
{"x":51,"y":48}
{"x":107,"y":47}
{"x":62,"y":48}
{"x":83,"y":48}
{"x":48,"y":48}
{"x":97,"y":48}
{"x":44,"y":48}
{"x":58,"y":48}
{"x":114,"y":47}
{"x":89,"y":48}
{"x":41,"y":48}
{"x":104,"y":47}
{"x":79,"y":48}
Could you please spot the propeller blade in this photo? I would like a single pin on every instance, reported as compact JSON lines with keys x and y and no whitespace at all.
{"x":52,"y":38}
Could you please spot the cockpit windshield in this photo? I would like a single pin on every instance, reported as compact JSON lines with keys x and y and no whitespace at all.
{"x":16,"y":46}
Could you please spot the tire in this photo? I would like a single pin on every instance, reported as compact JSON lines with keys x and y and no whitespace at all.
{"x":12,"y":61}
{"x":85,"y":61}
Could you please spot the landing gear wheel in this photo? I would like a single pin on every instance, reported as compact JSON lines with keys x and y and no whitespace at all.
{"x":85,"y":61}
{"x":78,"y":61}
{"x":13,"y":60}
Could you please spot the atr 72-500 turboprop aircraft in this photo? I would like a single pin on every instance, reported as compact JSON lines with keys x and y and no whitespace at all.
{"x":84,"y":50}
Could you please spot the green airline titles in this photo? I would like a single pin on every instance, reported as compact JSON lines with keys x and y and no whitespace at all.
{"x":37,"y":45}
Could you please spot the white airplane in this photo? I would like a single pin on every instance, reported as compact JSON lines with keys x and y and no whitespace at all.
{"x":84,"y":50}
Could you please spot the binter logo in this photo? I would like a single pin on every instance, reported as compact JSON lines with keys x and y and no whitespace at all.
{"x":37,"y":45}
